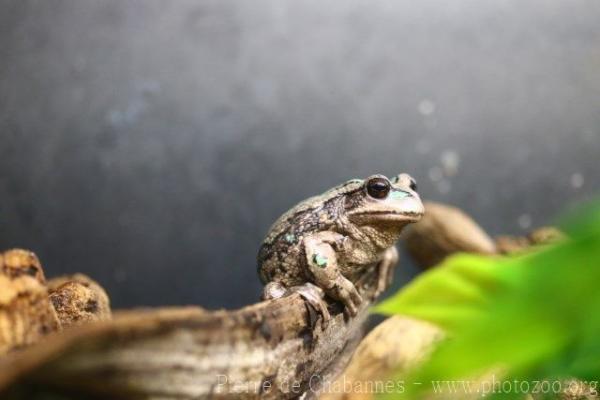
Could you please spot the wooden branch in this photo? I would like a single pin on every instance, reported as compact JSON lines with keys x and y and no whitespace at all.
{"x":445,"y":230}
{"x":392,"y":347}
{"x":275,"y":350}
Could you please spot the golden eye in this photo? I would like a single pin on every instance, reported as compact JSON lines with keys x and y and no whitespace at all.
{"x":378,"y":188}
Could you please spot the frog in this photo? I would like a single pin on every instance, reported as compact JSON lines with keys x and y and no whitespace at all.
{"x":322,"y":246}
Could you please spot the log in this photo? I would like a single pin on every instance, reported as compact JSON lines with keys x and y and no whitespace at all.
{"x":394,"y":346}
{"x":277,"y":349}
{"x":445,"y":230}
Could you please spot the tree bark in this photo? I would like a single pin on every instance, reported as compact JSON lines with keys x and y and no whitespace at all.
{"x":276,"y":349}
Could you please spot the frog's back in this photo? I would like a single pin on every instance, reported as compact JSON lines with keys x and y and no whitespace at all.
{"x":312,"y":205}
{"x":280,"y":253}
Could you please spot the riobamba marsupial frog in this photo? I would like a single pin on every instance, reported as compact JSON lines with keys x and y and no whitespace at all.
{"x":325,"y":243}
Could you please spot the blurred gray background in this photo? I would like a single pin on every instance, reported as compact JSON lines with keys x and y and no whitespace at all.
{"x":150,"y":144}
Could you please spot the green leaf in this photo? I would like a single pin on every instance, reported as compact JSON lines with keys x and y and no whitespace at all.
{"x":533,"y":316}
{"x":453,"y":294}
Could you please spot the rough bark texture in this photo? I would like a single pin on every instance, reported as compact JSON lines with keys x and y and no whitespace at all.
{"x":276,"y":349}
{"x":78,"y":300}
{"x":26,"y":313}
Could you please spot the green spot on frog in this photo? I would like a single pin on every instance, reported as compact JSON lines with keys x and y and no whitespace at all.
{"x":320,"y":260}
{"x":290,"y":238}
{"x":398,"y":194}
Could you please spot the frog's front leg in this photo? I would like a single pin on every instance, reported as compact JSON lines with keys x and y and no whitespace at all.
{"x":385,"y":270}
{"x":322,"y":261}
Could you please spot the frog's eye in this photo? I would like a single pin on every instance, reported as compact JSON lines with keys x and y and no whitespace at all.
{"x":378,"y":188}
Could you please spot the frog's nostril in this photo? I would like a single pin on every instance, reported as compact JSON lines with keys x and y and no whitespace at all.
{"x":413,"y":185}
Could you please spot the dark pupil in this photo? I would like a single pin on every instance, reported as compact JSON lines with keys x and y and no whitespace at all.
{"x":413,"y":185}
{"x":378,"y":188}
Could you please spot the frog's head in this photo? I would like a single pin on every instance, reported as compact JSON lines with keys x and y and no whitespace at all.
{"x":385,"y":202}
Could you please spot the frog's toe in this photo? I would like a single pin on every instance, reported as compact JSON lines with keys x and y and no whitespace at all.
{"x":314,"y":296}
{"x":353,"y":303}
{"x":382,"y":285}
{"x":273,"y":290}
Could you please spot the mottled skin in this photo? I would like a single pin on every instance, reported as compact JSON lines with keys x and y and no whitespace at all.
{"x":325,"y":243}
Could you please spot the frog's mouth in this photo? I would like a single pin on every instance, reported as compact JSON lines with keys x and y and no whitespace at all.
{"x":391,"y":216}
{"x":389,"y":211}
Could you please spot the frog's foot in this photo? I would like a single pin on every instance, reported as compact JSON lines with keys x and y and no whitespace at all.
{"x":345,"y":291}
{"x":312,"y":294}
{"x":274,"y":290}
{"x":385,"y":270}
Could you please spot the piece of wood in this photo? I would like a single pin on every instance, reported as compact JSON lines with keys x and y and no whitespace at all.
{"x":276,"y":349}
{"x":78,"y":300}
{"x":392,"y":347}
{"x":445,"y":230}
{"x":545,"y":235}
{"x":26,"y":313}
